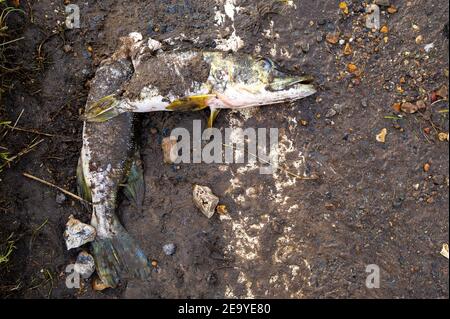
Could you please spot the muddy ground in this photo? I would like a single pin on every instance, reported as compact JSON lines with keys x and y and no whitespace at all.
{"x":282,"y":237}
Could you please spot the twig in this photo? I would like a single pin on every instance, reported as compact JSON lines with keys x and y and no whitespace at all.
{"x":23,"y":152}
{"x":55,"y":186}
{"x":18,"y":118}
{"x":11,"y":41}
{"x":29,"y":131}
{"x":15,"y":123}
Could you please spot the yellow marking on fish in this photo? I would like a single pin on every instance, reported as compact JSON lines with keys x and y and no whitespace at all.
{"x":191,"y":103}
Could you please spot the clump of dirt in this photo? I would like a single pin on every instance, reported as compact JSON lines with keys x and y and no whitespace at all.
{"x":170,"y":74}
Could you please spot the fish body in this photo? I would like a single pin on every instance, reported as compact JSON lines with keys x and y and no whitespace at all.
{"x":190,"y":81}
{"x":105,"y":156}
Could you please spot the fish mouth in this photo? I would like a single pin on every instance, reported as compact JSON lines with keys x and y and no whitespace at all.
{"x":286,"y":83}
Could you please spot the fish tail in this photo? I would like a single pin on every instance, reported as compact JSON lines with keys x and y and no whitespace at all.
{"x":119,"y":257}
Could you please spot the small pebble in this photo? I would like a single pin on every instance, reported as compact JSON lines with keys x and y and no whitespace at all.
{"x":78,"y":233}
{"x":419,"y":39}
{"x":428,"y":47}
{"x":168,"y":146}
{"x":85,"y":265}
{"x":383,"y":3}
{"x":330,"y":113}
{"x":98,"y":285}
{"x":205,"y":200}
{"x":67,"y":48}
{"x":60,"y":198}
{"x":373,"y":17}
{"x":319,"y":38}
{"x":169,"y":249}
{"x":305,"y":47}
{"x":398,"y":202}
{"x":381,"y":137}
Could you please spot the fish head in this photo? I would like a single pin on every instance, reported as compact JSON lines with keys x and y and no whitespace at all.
{"x":252,"y":82}
{"x":276,"y":80}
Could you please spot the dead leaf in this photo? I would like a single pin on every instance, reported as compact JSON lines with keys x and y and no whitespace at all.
{"x":392,"y":9}
{"x":352,"y":68}
{"x":348,"y":49}
{"x":343,"y":6}
{"x":381,"y":137}
{"x":442,"y":92}
{"x":397,"y":107}
{"x":169,"y":149}
{"x":444,"y":251}
{"x":98,"y":285}
{"x":333,"y":38}
{"x":443,"y":137}
{"x":222,"y":209}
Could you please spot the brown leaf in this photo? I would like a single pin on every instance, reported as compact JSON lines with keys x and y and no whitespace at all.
{"x":442,"y":92}
{"x":348,"y":49}
{"x":333,"y":38}
{"x":392,"y":9}
{"x":397,"y":107}
{"x":384,"y":29}
{"x":352,"y":68}
{"x":381,"y":137}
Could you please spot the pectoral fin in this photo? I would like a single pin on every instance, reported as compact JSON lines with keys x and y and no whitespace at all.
{"x":212,"y":116}
{"x":134,"y":188}
{"x":190,"y":103}
{"x":102,"y":110}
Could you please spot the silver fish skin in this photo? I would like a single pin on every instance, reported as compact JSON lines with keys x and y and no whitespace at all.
{"x":106,"y":152}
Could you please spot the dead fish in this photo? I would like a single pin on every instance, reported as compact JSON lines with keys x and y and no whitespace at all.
{"x":192,"y":81}
{"x":105,"y":164}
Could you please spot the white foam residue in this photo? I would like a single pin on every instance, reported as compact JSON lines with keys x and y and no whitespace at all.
{"x":273,"y":50}
{"x":233,"y":42}
{"x":243,"y":245}
{"x":230,"y":8}
{"x":291,"y":3}
{"x":219,"y":18}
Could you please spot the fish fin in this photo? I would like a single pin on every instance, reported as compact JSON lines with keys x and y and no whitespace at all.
{"x":118,"y":258}
{"x":102,"y":110}
{"x":82,"y":187}
{"x":134,"y":188}
{"x":212,"y":116}
{"x":191,"y":103}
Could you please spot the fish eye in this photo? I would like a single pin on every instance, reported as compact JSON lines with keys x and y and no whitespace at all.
{"x":267,"y":64}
